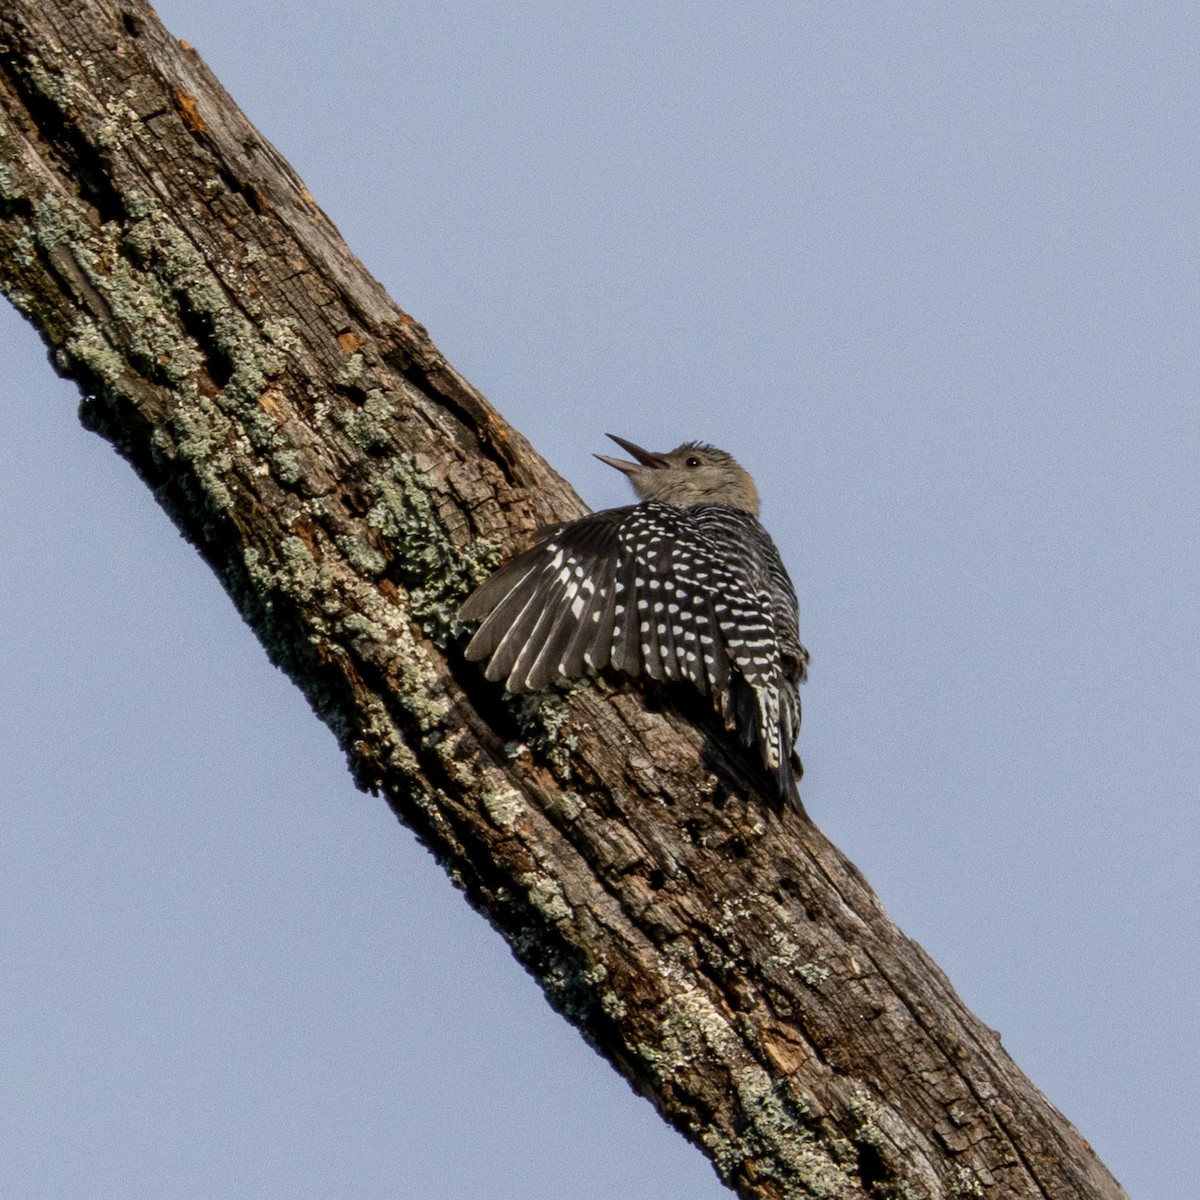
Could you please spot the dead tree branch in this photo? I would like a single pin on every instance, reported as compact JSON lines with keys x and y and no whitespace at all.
{"x":348,"y":486}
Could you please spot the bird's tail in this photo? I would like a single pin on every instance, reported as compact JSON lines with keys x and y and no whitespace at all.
{"x":791,"y":770}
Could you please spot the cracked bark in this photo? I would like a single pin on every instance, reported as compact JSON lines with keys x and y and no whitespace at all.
{"x":347,"y":486}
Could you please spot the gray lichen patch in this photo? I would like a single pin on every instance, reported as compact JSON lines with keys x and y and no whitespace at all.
{"x":813,"y":972}
{"x":789,"y":957}
{"x":867,"y":1111}
{"x":569,"y":981}
{"x":293,"y":571}
{"x":57,"y":220}
{"x":880,"y":1129}
{"x":965,"y":1182}
{"x":200,"y":439}
{"x":426,"y":560}
{"x":49,"y":78}
{"x":544,"y":722}
{"x":545,"y":896}
{"x":365,"y":561}
{"x":248,"y":358}
{"x":612,"y":1005}
{"x":141,"y":309}
{"x":352,"y":371}
{"x":298,"y":571}
{"x":570,"y":805}
{"x":282,"y":332}
{"x":120,"y":125}
{"x":368,"y":424}
{"x":773,"y":1130}
{"x":504,"y":808}
{"x":11,"y":187}
{"x":415,"y":685}
{"x":287,"y":466}
{"x":87,"y":346}
{"x":149,"y":275}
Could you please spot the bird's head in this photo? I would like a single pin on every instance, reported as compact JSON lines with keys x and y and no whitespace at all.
{"x":694,"y":473}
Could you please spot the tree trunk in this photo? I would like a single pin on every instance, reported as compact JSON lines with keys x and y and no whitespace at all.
{"x":348,"y":487}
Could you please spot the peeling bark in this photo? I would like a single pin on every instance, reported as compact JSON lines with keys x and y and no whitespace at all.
{"x":348,"y":487}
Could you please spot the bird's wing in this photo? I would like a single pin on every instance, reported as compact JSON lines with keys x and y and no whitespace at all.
{"x":757,"y":615}
{"x":666,"y":626}
{"x":692,"y":603}
{"x":549,"y":612}
{"x":611,"y":588}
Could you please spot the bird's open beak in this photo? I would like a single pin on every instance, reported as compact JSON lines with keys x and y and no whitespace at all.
{"x":644,"y":458}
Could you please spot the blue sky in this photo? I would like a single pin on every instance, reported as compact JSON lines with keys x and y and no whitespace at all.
{"x":931,"y":272}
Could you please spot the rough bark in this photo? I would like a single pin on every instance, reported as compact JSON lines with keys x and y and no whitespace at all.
{"x":348,"y":486}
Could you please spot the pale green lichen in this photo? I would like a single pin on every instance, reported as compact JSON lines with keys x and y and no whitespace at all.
{"x":867,"y":1111}
{"x":10,"y":188}
{"x":416,"y":686}
{"x":248,"y":358}
{"x":438,"y":576}
{"x":964,"y":1182}
{"x":49,"y":79}
{"x":139,"y":205}
{"x":56,"y":221}
{"x":566,"y":991}
{"x":570,"y":804}
{"x":813,"y":973}
{"x":352,"y":371}
{"x":612,"y":1005}
{"x":542,"y":718}
{"x":788,"y":956}
{"x":145,"y":306}
{"x":302,"y":573}
{"x":24,"y":247}
{"x":367,"y":562}
{"x":142,"y":307}
{"x":87,"y":345}
{"x":282,"y":332}
{"x":21,"y":300}
{"x":773,"y":1131}
{"x":790,"y":1152}
{"x":287,"y":466}
{"x":503,"y":808}
{"x":120,"y":127}
{"x":369,"y":425}
{"x":197,"y":440}
{"x":294,"y":570}
{"x":732,"y":912}
{"x":167,"y":251}
{"x":545,"y":896}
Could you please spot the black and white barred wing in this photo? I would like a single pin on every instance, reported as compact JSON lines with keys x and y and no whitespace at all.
{"x":548,"y":613}
{"x":758,"y":617}
{"x":664,"y":622}
{"x":620,"y":587}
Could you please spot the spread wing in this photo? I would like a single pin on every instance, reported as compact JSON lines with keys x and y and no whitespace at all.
{"x":550,"y":611}
{"x":624,"y":587}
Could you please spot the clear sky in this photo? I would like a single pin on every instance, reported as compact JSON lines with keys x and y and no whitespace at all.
{"x":931,"y":271}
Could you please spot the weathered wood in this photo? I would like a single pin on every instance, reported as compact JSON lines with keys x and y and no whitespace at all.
{"x":348,"y":486}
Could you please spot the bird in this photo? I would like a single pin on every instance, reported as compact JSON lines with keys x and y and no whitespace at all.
{"x":685,"y":586}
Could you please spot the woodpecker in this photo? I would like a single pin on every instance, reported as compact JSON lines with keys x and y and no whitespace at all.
{"x":685,"y":586}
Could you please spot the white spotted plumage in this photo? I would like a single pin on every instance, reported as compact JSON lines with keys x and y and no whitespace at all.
{"x":686,"y":586}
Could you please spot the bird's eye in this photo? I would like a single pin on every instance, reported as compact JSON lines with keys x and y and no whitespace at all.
{"x":693,"y":461}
